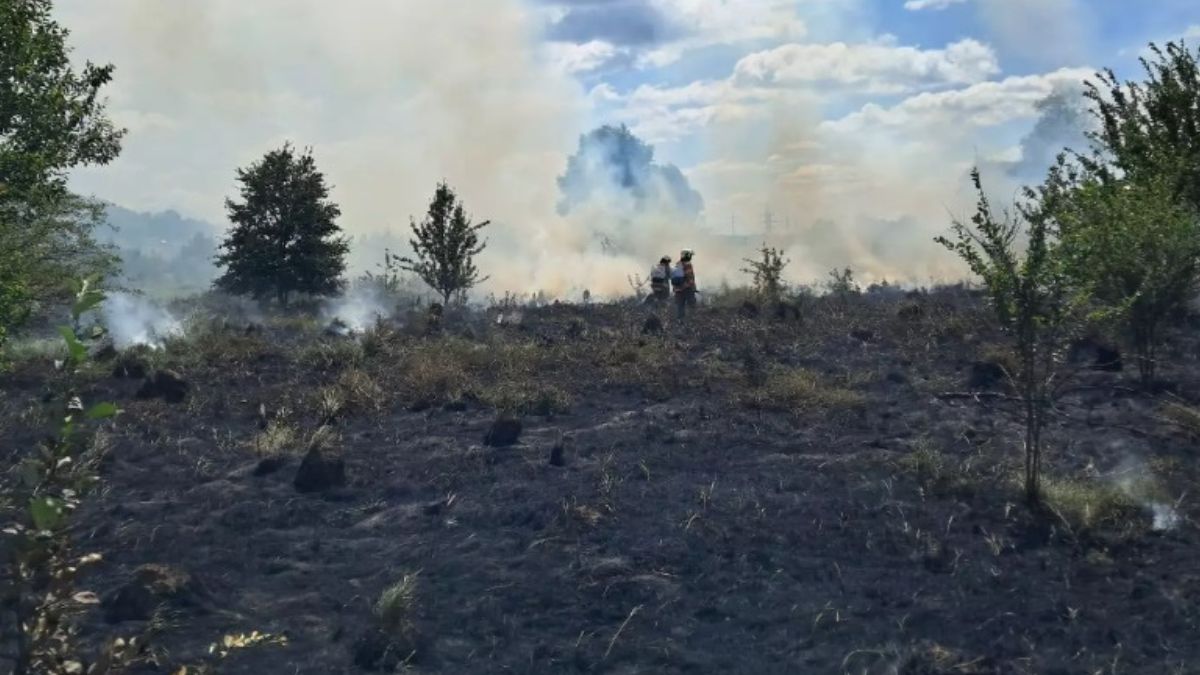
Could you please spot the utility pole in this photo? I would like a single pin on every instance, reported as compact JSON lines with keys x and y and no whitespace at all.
{"x":768,"y":221}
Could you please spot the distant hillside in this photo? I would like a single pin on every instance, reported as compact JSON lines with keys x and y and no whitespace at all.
{"x":164,"y":233}
{"x":162,"y":252}
{"x":169,"y":253}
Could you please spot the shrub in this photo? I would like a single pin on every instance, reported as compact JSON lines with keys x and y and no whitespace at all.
{"x":767,"y":272}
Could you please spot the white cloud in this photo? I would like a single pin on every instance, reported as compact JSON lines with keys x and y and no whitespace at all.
{"x":707,"y":23}
{"x":572,"y":58}
{"x":979,"y":105}
{"x":802,"y":73}
{"x":918,"y":5}
{"x":869,"y":68}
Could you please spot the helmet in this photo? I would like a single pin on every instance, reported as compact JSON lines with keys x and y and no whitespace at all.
{"x":665,"y":259}
{"x":686,"y":254}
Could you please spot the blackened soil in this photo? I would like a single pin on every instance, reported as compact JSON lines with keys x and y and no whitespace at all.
{"x":685,"y":530}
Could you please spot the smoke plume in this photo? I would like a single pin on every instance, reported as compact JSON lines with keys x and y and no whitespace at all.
{"x":357,"y":310}
{"x":132,"y":320}
{"x":1137,"y":482}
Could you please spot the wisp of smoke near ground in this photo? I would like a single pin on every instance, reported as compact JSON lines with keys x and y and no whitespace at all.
{"x":132,"y":320}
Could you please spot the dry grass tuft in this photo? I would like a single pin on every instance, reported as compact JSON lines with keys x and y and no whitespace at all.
{"x":1184,"y":417}
{"x":359,"y":392}
{"x":1090,"y":505}
{"x":527,"y":398}
{"x":396,"y":607}
{"x":800,"y":391}
{"x":278,"y":439}
{"x":332,"y":356}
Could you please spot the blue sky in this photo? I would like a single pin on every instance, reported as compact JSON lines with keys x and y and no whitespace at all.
{"x":867,"y":114}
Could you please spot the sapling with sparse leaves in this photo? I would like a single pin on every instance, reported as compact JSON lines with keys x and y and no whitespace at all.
{"x":767,"y":272}
{"x":1020,"y":258}
{"x":38,"y":591}
{"x":445,"y":244}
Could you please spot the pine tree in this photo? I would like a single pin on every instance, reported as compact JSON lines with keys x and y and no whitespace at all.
{"x":445,"y":245}
{"x":285,"y":238}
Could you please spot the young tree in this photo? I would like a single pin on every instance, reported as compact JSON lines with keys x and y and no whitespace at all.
{"x":1037,"y":302}
{"x":285,"y":238}
{"x":767,"y":272}
{"x":1134,"y":244}
{"x":445,"y":244}
{"x":52,"y":119}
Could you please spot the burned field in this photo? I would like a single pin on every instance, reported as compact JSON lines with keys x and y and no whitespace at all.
{"x":585,"y":489}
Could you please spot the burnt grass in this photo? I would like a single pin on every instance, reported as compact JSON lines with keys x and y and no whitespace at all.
{"x":744,"y":493}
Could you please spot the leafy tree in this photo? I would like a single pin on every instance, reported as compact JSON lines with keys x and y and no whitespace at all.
{"x":52,"y":119}
{"x":1129,"y":207}
{"x":285,"y":238}
{"x":767,"y":272}
{"x":1133,"y":244}
{"x":1037,"y":301}
{"x":1151,"y":128}
{"x":445,"y":244}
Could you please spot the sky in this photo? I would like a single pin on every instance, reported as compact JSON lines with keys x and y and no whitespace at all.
{"x":853,"y":123}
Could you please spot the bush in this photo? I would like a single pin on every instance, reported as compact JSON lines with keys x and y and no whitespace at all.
{"x":767,"y":272}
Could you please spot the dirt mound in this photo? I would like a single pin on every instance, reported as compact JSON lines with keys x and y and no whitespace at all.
{"x":320,"y":470}
{"x":153,"y":586}
{"x":504,"y":432}
{"x":166,"y":385}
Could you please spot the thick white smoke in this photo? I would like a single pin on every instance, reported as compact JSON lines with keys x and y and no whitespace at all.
{"x":133,"y":320}
{"x":396,"y":96}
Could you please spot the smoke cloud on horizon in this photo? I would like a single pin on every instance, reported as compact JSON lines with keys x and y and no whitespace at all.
{"x":394,"y":97}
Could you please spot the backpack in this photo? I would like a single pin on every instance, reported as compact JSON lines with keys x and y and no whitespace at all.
{"x":677,"y":276}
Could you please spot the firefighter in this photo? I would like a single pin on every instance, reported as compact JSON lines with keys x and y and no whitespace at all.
{"x":660,"y":280}
{"x":683,"y":280}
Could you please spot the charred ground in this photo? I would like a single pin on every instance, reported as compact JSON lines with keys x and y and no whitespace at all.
{"x":750,"y":492}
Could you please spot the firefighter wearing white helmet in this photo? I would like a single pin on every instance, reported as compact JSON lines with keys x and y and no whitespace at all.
{"x":683,"y":280}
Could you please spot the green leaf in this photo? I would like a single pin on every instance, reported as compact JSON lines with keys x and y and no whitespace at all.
{"x":75,"y":348}
{"x":86,"y":300}
{"x":47,"y":513}
{"x":103,"y":411}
